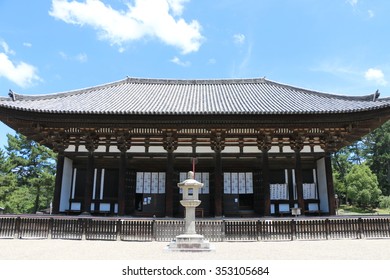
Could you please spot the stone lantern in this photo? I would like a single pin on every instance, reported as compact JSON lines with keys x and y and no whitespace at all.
{"x":190,"y":240}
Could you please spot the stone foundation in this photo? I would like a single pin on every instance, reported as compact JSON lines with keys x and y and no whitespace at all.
{"x":190,"y":243}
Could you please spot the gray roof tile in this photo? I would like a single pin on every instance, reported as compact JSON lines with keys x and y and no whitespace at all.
{"x":159,"y":96}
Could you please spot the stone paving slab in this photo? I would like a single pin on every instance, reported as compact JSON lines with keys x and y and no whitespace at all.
{"x":49,"y":249}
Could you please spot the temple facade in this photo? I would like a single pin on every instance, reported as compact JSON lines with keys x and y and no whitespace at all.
{"x":259,"y":147}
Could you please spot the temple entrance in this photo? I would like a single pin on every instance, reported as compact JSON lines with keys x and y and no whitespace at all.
{"x":150,"y":194}
{"x":245,"y":202}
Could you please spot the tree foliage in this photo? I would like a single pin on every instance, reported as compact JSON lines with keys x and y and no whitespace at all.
{"x":378,"y":155}
{"x":27,"y":175}
{"x":363,"y":188}
{"x":372,"y":151}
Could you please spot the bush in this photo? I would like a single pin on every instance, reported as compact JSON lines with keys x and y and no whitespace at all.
{"x":363,"y":187}
{"x":384,"y":202}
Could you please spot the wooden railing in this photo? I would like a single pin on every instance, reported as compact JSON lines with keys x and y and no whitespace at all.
{"x":215,"y":230}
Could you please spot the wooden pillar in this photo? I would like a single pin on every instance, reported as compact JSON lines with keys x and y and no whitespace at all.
{"x":86,"y":209}
{"x":170,"y":145}
{"x":218,"y":185}
{"x":123,"y":144}
{"x":264,"y":143}
{"x":329,"y":184}
{"x":266,"y":184}
{"x":330,"y":143}
{"x":217,"y":142}
{"x":91,"y":144}
{"x":299,"y":179}
{"x":297,"y":142}
{"x":58,"y":182}
{"x":257,"y":190}
{"x":60,"y":142}
{"x":122,"y":184}
{"x":291,"y":189}
{"x":169,"y":185}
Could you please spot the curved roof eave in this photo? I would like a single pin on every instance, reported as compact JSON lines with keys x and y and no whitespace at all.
{"x":132,"y":96}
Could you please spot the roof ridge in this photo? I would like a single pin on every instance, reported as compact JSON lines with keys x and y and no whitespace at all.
{"x":129,"y":80}
{"x":367,"y":97}
{"x":17,"y":96}
{"x":194,"y":81}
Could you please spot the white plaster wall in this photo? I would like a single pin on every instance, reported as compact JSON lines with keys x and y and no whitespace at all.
{"x":136,"y":149}
{"x":318,"y":149}
{"x":306,"y":149}
{"x":322,"y":187}
{"x":101,"y":149}
{"x":231,"y":149}
{"x":204,"y":149}
{"x":251,"y":149}
{"x":274,"y":149}
{"x":71,"y":148}
{"x":287,"y":149}
{"x":157,"y":149}
{"x":182,"y":149}
{"x":66,"y":184}
{"x":82,"y":149}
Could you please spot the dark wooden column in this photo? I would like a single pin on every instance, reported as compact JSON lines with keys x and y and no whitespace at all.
{"x":170,"y":144}
{"x":218,"y":181}
{"x":266,"y":184}
{"x":91,"y":144}
{"x":60,"y":142}
{"x":86,"y":209}
{"x":124,"y":144}
{"x":122,"y":184}
{"x":330,"y":144}
{"x":58,"y":182}
{"x":264,"y":143}
{"x":290,"y":189}
{"x":297,"y":144}
{"x":329,"y":184}
{"x":169,"y":185}
{"x":216,"y":194}
{"x":299,"y":179}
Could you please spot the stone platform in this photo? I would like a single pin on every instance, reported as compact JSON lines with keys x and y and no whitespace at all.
{"x":190,"y":243}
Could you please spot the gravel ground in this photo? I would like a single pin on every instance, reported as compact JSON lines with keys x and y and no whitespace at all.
{"x":49,"y":249}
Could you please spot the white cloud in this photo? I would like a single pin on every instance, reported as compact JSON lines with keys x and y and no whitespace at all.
{"x":81,"y":57}
{"x":243,"y":67}
{"x":371,"y":13}
{"x":375,"y":75}
{"x":27,"y":45}
{"x":6,"y":48}
{"x":353,"y":3}
{"x":178,"y":61}
{"x":146,"y":18}
{"x":22,"y":74}
{"x":239,"y":38}
{"x":177,"y":6}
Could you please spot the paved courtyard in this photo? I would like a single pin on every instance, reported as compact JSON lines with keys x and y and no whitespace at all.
{"x":362,"y":249}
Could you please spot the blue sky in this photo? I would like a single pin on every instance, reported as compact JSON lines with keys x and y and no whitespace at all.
{"x":337,"y":46}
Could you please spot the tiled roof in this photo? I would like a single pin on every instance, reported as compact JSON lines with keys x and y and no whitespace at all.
{"x":169,"y":97}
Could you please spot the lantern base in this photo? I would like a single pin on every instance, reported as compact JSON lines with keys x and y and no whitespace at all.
{"x":190,"y":243}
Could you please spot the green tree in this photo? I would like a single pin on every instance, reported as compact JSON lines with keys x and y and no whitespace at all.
{"x":33,"y":166}
{"x":339,"y":187}
{"x":342,"y":164}
{"x":363,"y":188}
{"x":384,"y":202}
{"x":378,"y":155}
{"x":8,"y":181}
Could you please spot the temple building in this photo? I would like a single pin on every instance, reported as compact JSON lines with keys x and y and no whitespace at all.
{"x":259,"y":147}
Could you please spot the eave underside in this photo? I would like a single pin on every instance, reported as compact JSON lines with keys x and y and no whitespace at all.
{"x":329,"y":131}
